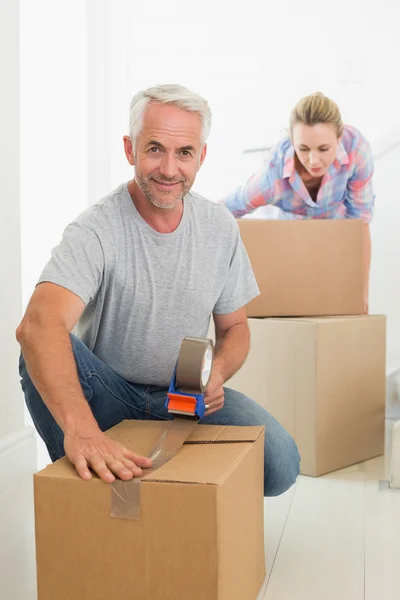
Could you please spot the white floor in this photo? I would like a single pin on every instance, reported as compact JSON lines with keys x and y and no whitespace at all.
{"x":332,"y":538}
{"x":336,"y":537}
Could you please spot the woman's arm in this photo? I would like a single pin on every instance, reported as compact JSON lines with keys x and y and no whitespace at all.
{"x":360,"y":197}
{"x":257,"y":191}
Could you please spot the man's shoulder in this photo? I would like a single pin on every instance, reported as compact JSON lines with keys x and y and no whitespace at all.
{"x":104,"y":212}
{"x":215,"y":214}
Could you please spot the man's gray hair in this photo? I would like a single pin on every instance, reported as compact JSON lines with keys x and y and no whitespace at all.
{"x":168,"y":94}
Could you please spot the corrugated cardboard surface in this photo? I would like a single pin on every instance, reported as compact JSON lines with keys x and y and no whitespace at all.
{"x":350,"y":397}
{"x":305,"y":267}
{"x":324,"y":380}
{"x":200,"y":532}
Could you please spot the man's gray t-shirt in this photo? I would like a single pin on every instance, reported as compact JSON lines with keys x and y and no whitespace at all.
{"x":145,"y":291}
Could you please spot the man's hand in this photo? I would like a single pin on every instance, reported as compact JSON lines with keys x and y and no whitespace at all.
{"x":107,"y":458}
{"x":214,"y":395}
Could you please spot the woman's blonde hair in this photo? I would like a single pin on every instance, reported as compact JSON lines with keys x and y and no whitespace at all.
{"x":315,"y":109}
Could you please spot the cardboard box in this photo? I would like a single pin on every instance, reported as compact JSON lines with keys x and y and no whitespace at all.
{"x":324,"y":380}
{"x":200,"y":535}
{"x":305,"y":267}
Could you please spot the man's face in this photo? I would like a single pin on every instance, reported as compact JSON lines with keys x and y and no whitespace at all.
{"x":168,"y":154}
{"x":315,"y":146}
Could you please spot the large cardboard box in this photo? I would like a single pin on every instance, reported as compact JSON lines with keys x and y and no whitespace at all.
{"x":200,"y":534}
{"x":305,"y":267}
{"x":324,"y":380}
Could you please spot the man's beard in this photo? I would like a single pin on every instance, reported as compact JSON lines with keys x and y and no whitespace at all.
{"x":145,"y":187}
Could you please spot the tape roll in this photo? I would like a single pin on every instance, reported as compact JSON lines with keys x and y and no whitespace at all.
{"x":193,"y":372}
{"x":194,"y":364}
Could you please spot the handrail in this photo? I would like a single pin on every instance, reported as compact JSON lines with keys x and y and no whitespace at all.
{"x":260,"y":149}
{"x":386,"y":143}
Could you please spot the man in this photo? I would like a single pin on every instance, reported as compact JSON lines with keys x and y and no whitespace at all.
{"x":133,"y":275}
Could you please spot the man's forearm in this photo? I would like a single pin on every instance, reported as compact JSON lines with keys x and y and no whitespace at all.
{"x":231,"y":350}
{"x":51,"y":365}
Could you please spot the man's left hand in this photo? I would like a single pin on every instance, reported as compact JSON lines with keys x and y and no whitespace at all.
{"x":214,"y":395}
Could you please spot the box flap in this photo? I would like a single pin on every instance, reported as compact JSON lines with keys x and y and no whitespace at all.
{"x":132,"y":431}
{"x":61,"y":469}
{"x":219,"y":434}
{"x":207,"y":456}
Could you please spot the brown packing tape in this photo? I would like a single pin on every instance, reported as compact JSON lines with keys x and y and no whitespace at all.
{"x":125,"y":495}
{"x":192,"y":374}
{"x":194,"y":364}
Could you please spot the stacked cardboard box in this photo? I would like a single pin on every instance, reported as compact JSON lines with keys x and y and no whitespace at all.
{"x":305,"y":268}
{"x":317,"y":363}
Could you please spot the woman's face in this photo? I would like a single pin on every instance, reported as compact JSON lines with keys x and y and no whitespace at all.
{"x":315,"y":146}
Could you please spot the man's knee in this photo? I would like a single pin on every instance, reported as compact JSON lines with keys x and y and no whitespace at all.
{"x":21,"y":365}
{"x":281,"y":475}
{"x":32,"y":397}
{"x":23,"y":373}
{"x":76,"y":345}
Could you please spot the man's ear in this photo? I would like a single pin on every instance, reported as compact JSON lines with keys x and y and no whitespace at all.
{"x":129,"y":150}
{"x":203,"y":154}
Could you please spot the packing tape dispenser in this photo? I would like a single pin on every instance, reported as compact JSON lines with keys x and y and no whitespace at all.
{"x":185,"y":397}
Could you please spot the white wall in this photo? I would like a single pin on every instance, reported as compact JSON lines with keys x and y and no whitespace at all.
{"x":17,"y":444}
{"x":53,"y":127}
{"x":385,"y":259}
{"x":349,"y":50}
{"x":54,"y":133}
{"x":11,"y":405}
{"x":252,"y":63}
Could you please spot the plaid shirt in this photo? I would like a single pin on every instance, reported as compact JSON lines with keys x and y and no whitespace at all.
{"x":345,"y":193}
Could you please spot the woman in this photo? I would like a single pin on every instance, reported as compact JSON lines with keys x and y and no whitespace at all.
{"x":322,"y":170}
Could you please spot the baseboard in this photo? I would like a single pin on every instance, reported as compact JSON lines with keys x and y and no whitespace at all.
{"x":17,"y":458}
{"x":17,"y":465}
{"x":393,"y":395}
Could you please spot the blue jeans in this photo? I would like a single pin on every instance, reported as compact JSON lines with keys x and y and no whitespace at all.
{"x":112,"y":399}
